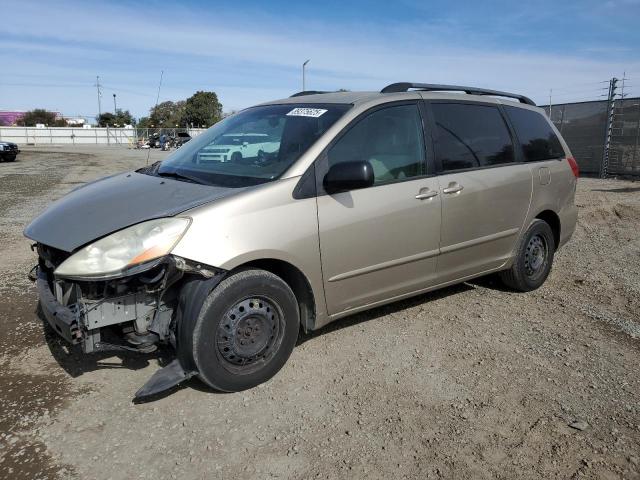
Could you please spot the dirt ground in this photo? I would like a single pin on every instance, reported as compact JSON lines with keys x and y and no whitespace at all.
{"x":469,"y":382}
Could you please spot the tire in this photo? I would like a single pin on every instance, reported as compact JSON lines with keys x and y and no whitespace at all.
{"x":534,"y":258}
{"x":246,"y":331}
{"x":236,"y":156}
{"x":11,"y":159}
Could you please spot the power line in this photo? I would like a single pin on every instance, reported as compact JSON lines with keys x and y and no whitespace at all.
{"x":572,"y":87}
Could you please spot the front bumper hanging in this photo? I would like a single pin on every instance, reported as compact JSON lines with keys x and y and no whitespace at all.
{"x":64,"y":320}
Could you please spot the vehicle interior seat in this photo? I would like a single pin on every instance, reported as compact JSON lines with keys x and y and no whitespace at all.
{"x":392,"y":149}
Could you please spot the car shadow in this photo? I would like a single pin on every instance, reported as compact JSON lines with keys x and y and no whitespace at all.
{"x":75,"y":363}
{"x":375,"y":313}
{"x":617,"y":190}
{"x":492,"y":282}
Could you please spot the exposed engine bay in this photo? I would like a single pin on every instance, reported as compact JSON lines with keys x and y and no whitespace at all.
{"x":136,"y":312}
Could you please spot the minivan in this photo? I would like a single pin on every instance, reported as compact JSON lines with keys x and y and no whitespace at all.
{"x":360,"y":199}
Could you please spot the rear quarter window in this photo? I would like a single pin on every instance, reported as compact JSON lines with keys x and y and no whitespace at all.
{"x":470,"y":136}
{"x":538,"y":140}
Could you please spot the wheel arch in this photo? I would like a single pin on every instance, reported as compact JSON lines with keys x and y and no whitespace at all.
{"x":553,"y":220}
{"x":296,"y":280}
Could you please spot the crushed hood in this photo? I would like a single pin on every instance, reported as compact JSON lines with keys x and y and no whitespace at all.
{"x":113,"y":203}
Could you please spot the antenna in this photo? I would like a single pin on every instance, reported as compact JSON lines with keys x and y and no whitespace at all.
{"x":99,"y":95}
{"x":157,"y":100}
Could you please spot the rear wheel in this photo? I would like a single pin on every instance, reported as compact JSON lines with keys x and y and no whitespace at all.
{"x":246,"y":330}
{"x":534,"y":258}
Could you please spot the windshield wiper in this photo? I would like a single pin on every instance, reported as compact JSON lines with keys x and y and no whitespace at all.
{"x":180,"y":176}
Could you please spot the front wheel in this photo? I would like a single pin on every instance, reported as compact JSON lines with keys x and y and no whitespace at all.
{"x":534,"y":258}
{"x":246,"y":331}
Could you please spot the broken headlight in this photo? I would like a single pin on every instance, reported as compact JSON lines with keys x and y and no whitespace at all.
{"x":134,"y":246}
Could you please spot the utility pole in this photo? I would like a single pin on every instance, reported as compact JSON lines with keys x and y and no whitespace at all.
{"x":115,"y":108}
{"x":99,"y":95}
{"x":303,"y":75}
{"x":550,"y":93}
{"x":611,"y":99}
{"x":621,"y":109}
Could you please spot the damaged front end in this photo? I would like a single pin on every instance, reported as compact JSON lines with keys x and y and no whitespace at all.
{"x":134,"y":312}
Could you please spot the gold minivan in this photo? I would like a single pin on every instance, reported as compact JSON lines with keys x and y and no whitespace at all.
{"x":297,"y":212}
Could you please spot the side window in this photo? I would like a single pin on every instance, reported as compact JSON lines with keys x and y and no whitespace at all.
{"x":470,"y":136}
{"x":390,"y":139}
{"x":539,"y":141}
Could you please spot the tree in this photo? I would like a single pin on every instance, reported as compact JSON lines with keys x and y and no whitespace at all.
{"x":203,"y":108}
{"x":120,"y":118}
{"x":167,"y":114}
{"x":40,"y":115}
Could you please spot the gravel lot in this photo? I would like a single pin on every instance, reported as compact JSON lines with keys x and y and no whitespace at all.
{"x":469,"y":382}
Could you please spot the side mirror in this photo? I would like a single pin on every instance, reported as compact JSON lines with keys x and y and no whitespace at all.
{"x":346,"y":176}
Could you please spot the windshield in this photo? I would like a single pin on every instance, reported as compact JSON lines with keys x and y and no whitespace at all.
{"x":254,"y":146}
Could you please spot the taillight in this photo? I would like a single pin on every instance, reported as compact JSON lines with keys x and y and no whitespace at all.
{"x":574,"y":166}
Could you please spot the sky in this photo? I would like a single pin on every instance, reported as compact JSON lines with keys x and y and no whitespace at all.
{"x":252,"y":51}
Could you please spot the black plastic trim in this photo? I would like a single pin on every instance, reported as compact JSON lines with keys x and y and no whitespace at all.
{"x":306,"y":186}
{"x":434,"y":87}
{"x":307,"y":92}
{"x":61,"y":318}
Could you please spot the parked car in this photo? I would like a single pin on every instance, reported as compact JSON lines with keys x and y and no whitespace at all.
{"x":8,"y":151}
{"x":363,"y":198}
{"x":181,"y":138}
{"x":234,"y":147}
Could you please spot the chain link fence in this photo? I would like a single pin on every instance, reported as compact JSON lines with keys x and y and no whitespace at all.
{"x":583,"y":125}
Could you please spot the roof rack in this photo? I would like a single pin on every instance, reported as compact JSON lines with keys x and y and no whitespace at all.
{"x":307,"y":92}
{"x":432,"y":87}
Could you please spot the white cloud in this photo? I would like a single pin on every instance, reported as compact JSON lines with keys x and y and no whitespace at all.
{"x":255,"y":57}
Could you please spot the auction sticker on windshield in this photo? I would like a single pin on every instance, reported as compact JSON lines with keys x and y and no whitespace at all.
{"x":306,"y":112}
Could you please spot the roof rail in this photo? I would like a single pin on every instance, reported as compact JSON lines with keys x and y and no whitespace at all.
{"x":432,"y":87}
{"x":307,"y":92}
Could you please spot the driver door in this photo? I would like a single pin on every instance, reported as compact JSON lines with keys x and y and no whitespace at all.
{"x":381,"y":242}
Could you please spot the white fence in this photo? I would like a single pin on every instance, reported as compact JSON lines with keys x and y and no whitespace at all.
{"x":83,"y":136}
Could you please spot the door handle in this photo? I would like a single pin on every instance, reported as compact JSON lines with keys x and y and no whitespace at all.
{"x":425,"y":194}
{"x":453,"y":188}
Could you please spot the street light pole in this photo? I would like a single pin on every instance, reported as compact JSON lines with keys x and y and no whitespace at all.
{"x":115,"y":108}
{"x":303,"y":75}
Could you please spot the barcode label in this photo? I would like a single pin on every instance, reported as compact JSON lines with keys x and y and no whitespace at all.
{"x":306,"y":112}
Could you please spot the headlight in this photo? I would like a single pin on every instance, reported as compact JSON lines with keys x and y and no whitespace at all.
{"x":114,"y":254}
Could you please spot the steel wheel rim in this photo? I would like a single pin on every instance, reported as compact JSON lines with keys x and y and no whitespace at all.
{"x":249,"y":334}
{"x":536,"y":255}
